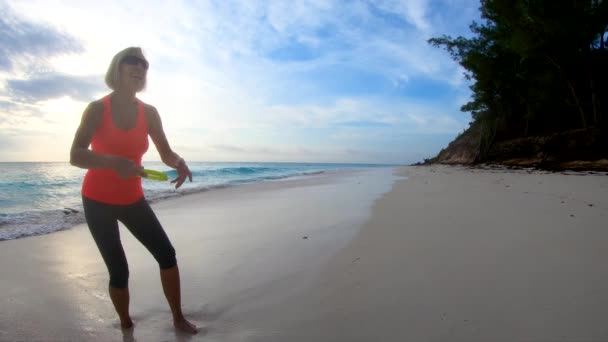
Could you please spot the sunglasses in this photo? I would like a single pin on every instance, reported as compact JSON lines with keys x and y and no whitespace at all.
{"x":134,"y":60}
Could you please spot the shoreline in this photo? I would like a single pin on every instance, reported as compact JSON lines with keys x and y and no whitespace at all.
{"x":231,"y":244}
{"x":436,"y":253}
{"x":49,"y":221}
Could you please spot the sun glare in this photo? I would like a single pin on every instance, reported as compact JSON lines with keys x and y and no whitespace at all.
{"x":63,"y":110}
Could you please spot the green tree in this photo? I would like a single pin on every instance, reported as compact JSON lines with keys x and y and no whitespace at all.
{"x":536,"y":66}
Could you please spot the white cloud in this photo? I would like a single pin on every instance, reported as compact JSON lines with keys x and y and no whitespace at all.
{"x":414,"y":11}
{"x":214,"y":84}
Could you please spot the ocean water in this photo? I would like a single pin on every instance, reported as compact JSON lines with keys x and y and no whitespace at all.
{"x":42,"y":198}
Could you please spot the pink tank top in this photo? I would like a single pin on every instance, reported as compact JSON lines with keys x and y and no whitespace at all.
{"x":105,"y":185}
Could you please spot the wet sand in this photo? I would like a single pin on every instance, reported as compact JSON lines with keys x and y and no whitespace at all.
{"x":231,"y":243}
{"x":448,"y":254}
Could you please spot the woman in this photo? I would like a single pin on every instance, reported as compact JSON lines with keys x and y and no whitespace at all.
{"x":117,"y":128}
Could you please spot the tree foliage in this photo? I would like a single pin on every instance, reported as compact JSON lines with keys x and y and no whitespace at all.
{"x":537,"y":66}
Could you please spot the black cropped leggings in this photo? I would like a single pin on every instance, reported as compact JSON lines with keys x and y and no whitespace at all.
{"x":139,"y":218}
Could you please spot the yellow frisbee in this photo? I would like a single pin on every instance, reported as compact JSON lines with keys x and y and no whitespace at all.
{"x":155,"y":175}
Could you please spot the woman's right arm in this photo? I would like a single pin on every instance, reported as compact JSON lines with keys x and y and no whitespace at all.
{"x":81,"y":156}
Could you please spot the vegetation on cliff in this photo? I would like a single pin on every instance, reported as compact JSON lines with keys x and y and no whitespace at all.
{"x":539,"y":77}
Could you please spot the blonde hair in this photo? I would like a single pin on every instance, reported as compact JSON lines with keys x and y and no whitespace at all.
{"x":113,"y":73}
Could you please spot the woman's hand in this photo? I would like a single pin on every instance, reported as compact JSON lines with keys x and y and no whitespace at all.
{"x":182,"y":172}
{"x":126,"y":167}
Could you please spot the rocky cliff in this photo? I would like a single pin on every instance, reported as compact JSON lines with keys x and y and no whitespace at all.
{"x":582,"y":149}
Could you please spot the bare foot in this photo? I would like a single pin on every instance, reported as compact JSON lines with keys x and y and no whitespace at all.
{"x":185,"y":326}
{"x":126,"y":324}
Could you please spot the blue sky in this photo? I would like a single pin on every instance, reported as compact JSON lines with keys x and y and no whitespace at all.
{"x":294,"y":81}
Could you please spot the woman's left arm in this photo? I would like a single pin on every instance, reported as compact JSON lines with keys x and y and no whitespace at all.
{"x":170,"y":158}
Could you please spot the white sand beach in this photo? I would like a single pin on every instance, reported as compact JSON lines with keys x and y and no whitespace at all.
{"x":408,"y":254}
